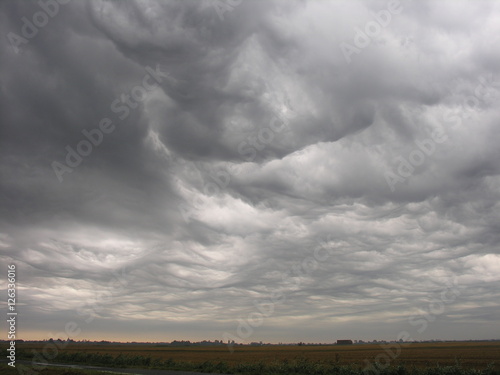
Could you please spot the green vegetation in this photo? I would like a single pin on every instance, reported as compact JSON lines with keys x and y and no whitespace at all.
{"x":282,"y":367}
{"x":455,"y":358}
{"x":25,"y":370}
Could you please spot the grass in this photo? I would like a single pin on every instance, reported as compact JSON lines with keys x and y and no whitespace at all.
{"x":476,"y":355}
{"x":26,"y":370}
{"x":474,"y":358}
{"x":297,"y":367}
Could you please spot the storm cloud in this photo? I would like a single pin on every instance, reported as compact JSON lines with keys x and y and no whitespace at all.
{"x":170,"y":169}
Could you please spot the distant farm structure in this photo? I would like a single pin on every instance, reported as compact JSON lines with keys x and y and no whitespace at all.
{"x":344,"y":342}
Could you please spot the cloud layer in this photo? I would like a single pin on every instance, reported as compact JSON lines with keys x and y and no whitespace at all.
{"x":168,"y":167}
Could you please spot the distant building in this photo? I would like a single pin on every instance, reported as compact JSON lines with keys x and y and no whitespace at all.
{"x":344,"y":342}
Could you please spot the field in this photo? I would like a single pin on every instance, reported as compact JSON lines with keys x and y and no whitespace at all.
{"x":7,"y":370}
{"x":464,"y":355}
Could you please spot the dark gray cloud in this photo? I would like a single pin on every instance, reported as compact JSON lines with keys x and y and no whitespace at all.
{"x":171,"y":168}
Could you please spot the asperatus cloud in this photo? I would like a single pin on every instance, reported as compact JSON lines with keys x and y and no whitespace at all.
{"x":232,"y":174}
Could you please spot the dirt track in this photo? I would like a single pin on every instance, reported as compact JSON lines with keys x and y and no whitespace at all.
{"x":118,"y":370}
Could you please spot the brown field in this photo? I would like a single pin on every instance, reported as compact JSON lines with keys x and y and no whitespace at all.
{"x":469,"y":354}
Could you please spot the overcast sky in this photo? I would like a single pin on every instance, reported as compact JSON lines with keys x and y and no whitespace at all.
{"x":251,"y":170}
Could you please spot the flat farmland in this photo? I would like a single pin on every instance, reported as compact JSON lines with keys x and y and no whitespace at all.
{"x":468,"y":354}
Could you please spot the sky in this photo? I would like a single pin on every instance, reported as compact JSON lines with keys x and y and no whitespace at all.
{"x":276,"y":171}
